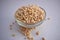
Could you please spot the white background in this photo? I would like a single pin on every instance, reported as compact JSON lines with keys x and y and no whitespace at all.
{"x":50,"y":29}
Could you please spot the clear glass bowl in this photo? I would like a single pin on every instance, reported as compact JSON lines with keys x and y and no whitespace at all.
{"x":31,"y":25}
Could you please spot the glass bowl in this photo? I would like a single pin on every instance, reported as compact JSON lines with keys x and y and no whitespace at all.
{"x":31,"y":25}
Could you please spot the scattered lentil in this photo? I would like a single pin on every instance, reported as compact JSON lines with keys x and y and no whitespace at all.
{"x":37,"y":33}
{"x":43,"y":38}
{"x":13,"y":35}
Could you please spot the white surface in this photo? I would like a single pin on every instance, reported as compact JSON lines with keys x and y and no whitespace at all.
{"x":49,"y":29}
